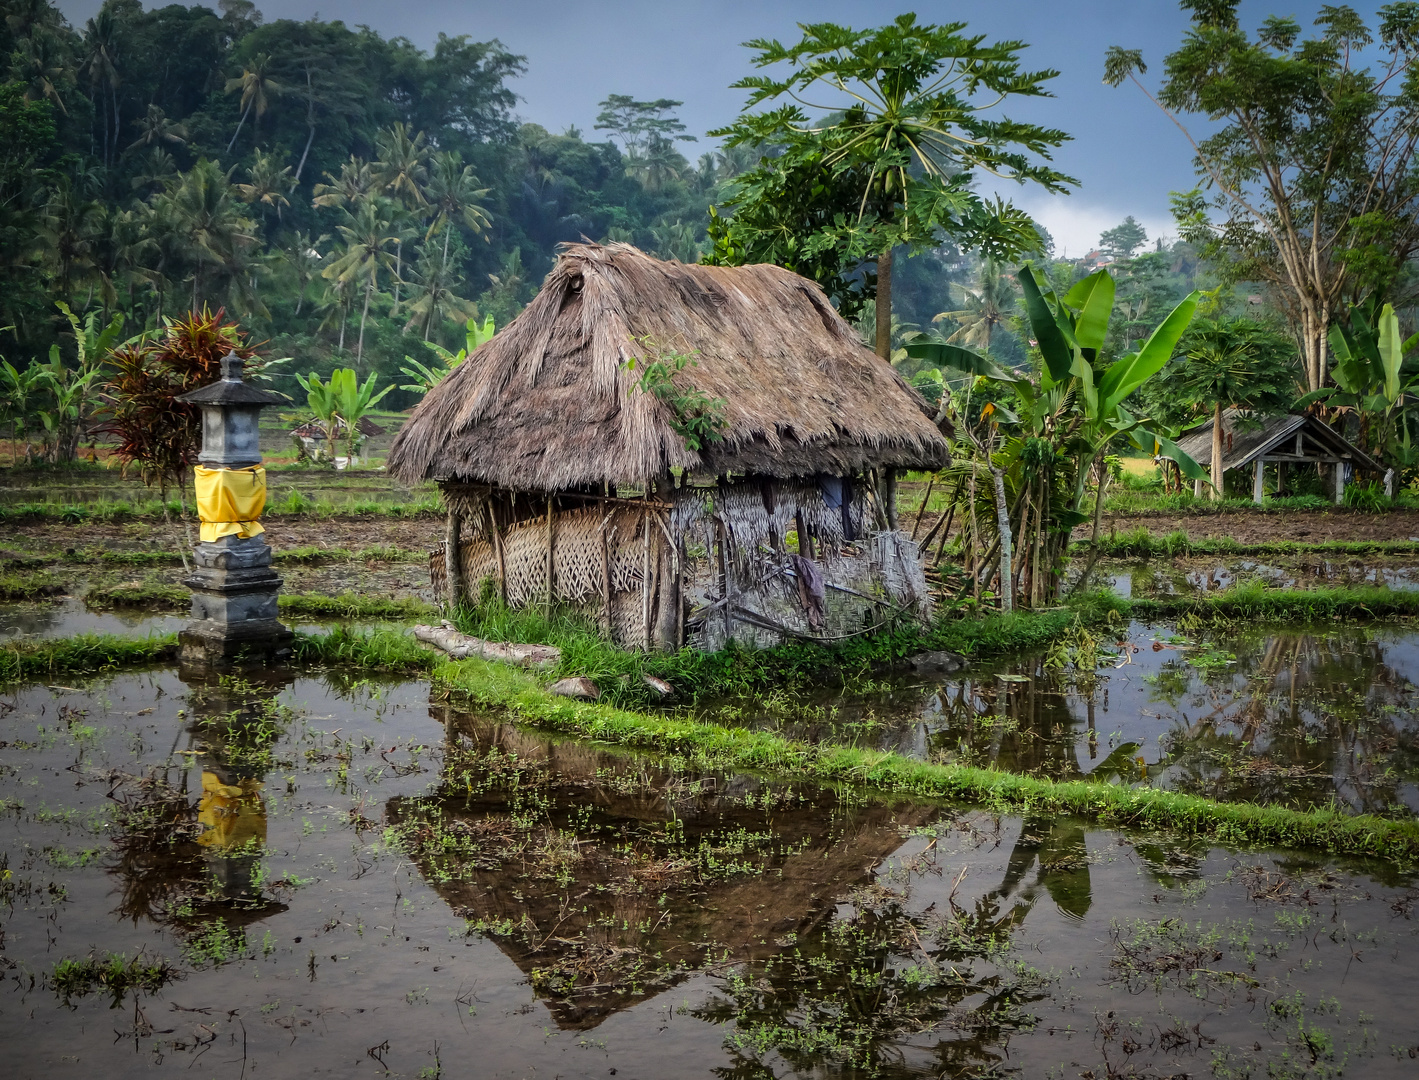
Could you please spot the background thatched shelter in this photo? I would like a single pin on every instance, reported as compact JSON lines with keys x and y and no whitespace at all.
{"x":550,"y":404}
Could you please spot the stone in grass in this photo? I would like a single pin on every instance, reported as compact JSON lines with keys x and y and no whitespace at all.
{"x":578,"y":686}
{"x":939,"y":662}
{"x":659,"y":687}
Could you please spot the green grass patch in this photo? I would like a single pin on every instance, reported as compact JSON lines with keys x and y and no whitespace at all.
{"x":1254,"y":602}
{"x":712,"y":747}
{"x":36,"y":585}
{"x":83,"y":654}
{"x":155,"y":596}
{"x":389,"y":651}
{"x":292,"y":505}
{"x":112,"y":973}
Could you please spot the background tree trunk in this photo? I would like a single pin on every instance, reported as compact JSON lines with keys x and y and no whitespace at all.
{"x":884,"y":305}
{"x":1217,"y":452}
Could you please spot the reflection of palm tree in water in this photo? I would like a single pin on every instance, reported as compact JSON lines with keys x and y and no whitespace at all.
{"x":1033,"y":731}
{"x":1058,"y":846}
{"x":1316,"y":712}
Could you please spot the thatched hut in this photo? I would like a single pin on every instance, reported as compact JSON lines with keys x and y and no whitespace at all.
{"x":695,"y":452}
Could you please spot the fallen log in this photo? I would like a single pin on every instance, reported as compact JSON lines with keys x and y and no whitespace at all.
{"x":461,"y":646}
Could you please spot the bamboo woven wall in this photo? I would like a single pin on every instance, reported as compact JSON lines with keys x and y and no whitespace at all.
{"x":660,"y":564}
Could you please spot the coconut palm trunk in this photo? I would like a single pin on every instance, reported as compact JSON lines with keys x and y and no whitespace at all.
{"x":1217,"y":451}
{"x":364,"y":314}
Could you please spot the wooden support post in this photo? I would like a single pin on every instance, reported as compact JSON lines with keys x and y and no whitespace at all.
{"x":726,"y":595}
{"x":1197,"y":488}
{"x":550,"y":504}
{"x":889,"y":497}
{"x":452,"y":557}
{"x":646,"y":581}
{"x":922,"y":512}
{"x":1340,"y":483}
{"x":805,"y":542}
{"x":1258,"y":480}
{"x":605,"y":574}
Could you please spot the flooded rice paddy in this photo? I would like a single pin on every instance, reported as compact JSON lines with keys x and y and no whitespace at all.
{"x":322,"y":876}
{"x":1296,"y":716}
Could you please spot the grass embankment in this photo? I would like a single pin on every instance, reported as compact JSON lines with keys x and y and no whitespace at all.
{"x":1254,"y":602}
{"x":710,"y":746}
{"x":83,"y":654}
{"x":294,"y":505}
{"x":1142,"y":544}
{"x":29,"y":586}
{"x":309,"y":555}
{"x":158,"y":597}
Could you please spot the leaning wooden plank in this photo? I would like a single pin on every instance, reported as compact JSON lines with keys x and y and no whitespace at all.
{"x":461,"y":646}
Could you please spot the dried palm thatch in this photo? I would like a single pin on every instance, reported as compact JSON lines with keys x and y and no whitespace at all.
{"x":550,"y":404}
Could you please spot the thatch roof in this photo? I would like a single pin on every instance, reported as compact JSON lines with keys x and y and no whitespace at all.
{"x":1292,"y":437}
{"x":550,"y":402}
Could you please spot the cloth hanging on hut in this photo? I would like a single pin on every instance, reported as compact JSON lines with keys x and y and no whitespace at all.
{"x":812,"y":592}
{"x":229,"y":501}
{"x":837,"y":495}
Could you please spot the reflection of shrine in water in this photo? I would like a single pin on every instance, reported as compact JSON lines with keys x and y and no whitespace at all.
{"x":192,"y":845}
{"x":644,"y":874}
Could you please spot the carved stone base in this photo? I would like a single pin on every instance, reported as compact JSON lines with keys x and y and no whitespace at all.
{"x":234,"y":609}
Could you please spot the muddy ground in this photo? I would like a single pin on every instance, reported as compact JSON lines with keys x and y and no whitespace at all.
{"x":282,"y":532}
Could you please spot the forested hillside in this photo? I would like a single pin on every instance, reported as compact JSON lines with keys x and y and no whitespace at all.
{"x":308,"y":175}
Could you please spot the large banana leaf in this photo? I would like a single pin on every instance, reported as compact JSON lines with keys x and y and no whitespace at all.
{"x":1054,"y":347}
{"x":1093,"y":298}
{"x":1131,"y":372}
{"x":957,"y":358}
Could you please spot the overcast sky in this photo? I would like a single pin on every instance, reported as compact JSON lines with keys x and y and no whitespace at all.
{"x":1126,"y":154}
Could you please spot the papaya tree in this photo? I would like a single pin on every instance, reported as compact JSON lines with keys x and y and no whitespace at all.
{"x":1040,"y":438}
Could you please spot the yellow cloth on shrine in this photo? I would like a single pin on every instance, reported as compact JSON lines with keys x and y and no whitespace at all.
{"x":229,"y":501}
{"x":230,"y":814}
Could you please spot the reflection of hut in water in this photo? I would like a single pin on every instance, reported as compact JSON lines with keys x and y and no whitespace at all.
{"x":572,"y":450}
{"x":612,"y":919}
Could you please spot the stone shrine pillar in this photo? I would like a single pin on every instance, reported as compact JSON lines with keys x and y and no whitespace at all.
{"x":233,"y":587}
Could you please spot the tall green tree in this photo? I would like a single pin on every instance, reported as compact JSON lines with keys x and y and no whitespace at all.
{"x":1123,"y":239}
{"x":986,"y":307}
{"x":1311,"y":168}
{"x":257,"y":88}
{"x":878,"y":145}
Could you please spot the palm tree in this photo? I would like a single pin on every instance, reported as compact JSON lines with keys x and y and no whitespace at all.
{"x":156,"y":128}
{"x":266,"y":184}
{"x":155,"y":169}
{"x":70,"y":225}
{"x":432,"y":298}
{"x":353,"y":186}
{"x":402,"y":166}
{"x":204,"y":213}
{"x":335,"y":305}
{"x":101,"y":65}
{"x":41,"y":63}
{"x":302,"y":256}
{"x":987,"y":306}
{"x":454,"y":196}
{"x":257,"y":89}
{"x":368,"y":238}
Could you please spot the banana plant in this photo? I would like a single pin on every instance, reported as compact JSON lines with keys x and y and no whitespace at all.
{"x":1045,"y":443}
{"x":321,"y":400}
{"x":425,"y":376}
{"x":353,"y":401}
{"x":1369,"y":380}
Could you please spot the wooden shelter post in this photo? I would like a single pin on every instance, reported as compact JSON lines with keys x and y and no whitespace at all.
{"x":1339,"y":483}
{"x":452,"y":561}
{"x":1258,"y":480}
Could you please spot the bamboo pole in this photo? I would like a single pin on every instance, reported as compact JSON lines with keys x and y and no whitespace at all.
{"x":550,"y":503}
{"x":495,"y":532}
{"x":606,"y":574}
{"x":645,"y":580}
{"x":922,"y":512}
